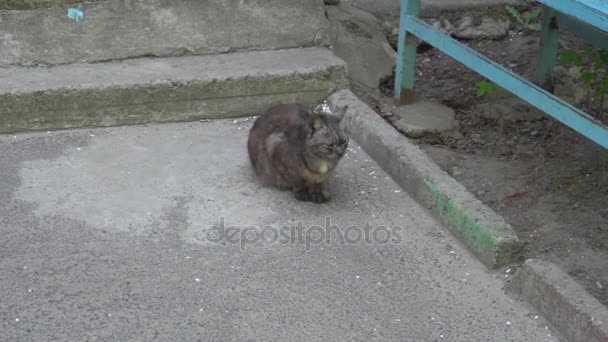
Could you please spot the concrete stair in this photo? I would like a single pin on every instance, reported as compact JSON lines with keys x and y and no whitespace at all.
{"x":143,"y":61}
{"x":119,"y":29}
{"x":148,"y":90}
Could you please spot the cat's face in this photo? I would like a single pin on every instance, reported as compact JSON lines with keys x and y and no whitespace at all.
{"x":327,"y":139}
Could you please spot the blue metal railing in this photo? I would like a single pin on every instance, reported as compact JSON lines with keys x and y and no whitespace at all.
{"x":586,"y":13}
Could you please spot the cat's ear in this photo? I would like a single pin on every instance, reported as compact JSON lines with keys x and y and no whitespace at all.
{"x":341,"y":112}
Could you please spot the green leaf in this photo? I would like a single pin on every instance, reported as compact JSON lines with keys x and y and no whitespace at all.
{"x":588,"y":77}
{"x":604,"y":58}
{"x":603,"y":87}
{"x":515,"y":14}
{"x":532,"y":15}
{"x":485,"y":87}
{"x":570,"y":57}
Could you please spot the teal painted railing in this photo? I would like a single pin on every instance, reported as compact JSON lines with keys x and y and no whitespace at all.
{"x":586,"y":18}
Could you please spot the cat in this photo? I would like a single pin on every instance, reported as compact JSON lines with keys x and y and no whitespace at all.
{"x":294,"y":147}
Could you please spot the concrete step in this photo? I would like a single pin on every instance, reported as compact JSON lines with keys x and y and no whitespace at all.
{"x":164,"y":89}
{"x":119,"y":29}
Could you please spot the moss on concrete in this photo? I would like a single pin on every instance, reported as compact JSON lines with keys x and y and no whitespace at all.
{"x":500,"y":245}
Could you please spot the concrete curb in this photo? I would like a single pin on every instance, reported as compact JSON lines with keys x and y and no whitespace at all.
{"x":485,"y":233}
{"x":562,"y":301}
{"x":165,"y":89}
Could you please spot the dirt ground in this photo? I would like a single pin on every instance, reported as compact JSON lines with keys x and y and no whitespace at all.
{"x":547,"y":181}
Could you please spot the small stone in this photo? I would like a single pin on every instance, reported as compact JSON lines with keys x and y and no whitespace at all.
{"x":476,"y":138}
{"x":457,"y":172}
{"x":489,"y":28}
{"x":425,"y":119}
{"x":362,"y":44}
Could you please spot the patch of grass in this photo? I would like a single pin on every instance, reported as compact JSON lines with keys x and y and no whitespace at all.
{"x":593,"y":64}
{"x":555,"y":177}
{"x":490,"y":89}
{"x":528,"y":19}
{"x":572,"y":178}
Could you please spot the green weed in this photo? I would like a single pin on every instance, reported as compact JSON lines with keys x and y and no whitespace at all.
{"x":593,"y":64}
{"x":528,"y":19}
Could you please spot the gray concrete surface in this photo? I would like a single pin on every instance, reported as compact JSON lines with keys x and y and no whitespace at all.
{"x":119,"y":29}
{"x":579,"y":316}
{"x":104,"y":238}
{"x":390,"y":8}
{"x":164,"y":89}
{"x":485,"y":232}
{"x":31,"y":4}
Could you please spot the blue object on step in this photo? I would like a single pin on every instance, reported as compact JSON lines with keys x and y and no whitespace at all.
{"x":75,"y":14}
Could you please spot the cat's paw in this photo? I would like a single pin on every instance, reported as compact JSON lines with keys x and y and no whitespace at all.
{"x":312,"y":196}
{"x":319,"y":196}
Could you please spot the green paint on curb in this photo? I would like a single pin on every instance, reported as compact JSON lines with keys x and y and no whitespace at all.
{"x":473,"y":233}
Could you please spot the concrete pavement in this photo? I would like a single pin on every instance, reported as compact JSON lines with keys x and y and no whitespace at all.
{"x":108,"y":235}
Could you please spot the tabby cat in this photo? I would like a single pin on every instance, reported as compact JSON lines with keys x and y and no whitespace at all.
{"x":292,"y":146}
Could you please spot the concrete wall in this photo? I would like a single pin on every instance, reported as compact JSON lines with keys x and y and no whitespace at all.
{"x":117,"y":29}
